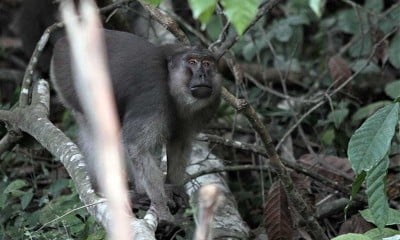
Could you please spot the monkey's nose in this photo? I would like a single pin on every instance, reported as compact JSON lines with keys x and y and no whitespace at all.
{"x":201,"y":91}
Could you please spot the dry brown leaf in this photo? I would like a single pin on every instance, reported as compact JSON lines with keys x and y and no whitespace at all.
{"x":332,"y":167}
{"x":339,"y":70}
{"x":393,"y":188}
{"x":381,"y":51}
{"x":277,"y":217}
{"x":355,"y":224}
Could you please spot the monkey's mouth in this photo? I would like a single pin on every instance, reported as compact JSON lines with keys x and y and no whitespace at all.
{"x":201,"y":91}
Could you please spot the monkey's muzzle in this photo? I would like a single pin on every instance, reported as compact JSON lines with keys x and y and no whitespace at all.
{"x":201,"y":91}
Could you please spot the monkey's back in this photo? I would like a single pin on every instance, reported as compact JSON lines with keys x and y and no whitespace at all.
{"x":138,"y":70}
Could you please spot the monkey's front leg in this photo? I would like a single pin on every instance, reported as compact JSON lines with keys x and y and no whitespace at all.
{"x":178,"y":154}
{"x":149,"y":177}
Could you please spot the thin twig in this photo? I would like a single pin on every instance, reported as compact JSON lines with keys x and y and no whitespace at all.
{"x":229,"y":42}
{"x":340,"y":87}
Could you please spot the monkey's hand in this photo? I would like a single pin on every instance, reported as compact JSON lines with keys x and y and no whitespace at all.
{"x":164,"y":215}
{"x":178,"y":200}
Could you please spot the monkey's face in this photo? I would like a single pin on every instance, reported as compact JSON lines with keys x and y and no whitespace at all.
{"x":201,"y":69}
{"x":194,"y":78}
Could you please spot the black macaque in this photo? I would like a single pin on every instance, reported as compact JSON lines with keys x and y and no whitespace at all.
{"x":164,"y":95}
{"x":34,"y":16}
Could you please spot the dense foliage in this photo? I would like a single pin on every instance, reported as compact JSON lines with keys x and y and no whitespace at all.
{"x":324,"y":76}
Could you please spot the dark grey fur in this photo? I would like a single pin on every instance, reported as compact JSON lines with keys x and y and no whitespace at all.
{"x":154,"y":88}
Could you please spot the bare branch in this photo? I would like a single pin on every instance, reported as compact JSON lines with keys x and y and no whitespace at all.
{"x":166,"y":22}
{"x":88,"y":55}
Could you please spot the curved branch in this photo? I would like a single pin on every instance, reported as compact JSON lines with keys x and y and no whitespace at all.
{"x":165,"y":21}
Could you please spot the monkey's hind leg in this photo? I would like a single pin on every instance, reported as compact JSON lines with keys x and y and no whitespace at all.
{"x":86,"y":145}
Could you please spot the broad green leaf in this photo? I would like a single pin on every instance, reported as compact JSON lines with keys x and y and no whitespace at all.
{"x":98,"y":235}
{"x":394,"y":216}
{"x":381,"y":234}
{"x":374,"y":5}
{"x":394,"y":51}
{"x":295,"y":20}
{"x":26,"y":198}
{"x":282,"y":31}
{"x":3,"y":201}
{"x":349,"y":22}
{"x":361,"y":48}
{"x":253,"y":47}
{"x":15,"y":186}
{"x":365,"y":66}
{"x":328,"y":136}
{"x":214,"y":27}
{"x":240,"y":12}
{"x":368,"y":110}
{"x":395,"y":237}
{"x":390,"y":21}
{"x":337,"y":116}
{"x":370,"y":143}
{"x":317,"y":6}
{"x":59,"y":206}
{"x":376,"y":193}
{"x":392,"y":89}
{"x":154,"y":3}
{"x":352,"y":236}
{"x":57,"y":186}
{"x":203,"y":9}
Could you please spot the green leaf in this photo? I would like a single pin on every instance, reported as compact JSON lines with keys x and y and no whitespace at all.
{"x":355,"y":188}
{"x":26,"y":198}
{"x":370,"y":143}
{"x":240,"y":12}
{"x":376,"y":193}
{"x":203,"y":9}
{"x":361,"y":48}
{"x":365,"y":66}
{"x":337,"y":116}
{"x":390,"y":21}
{"x":98,"y":235}
{"x":14,"y":186}
{"x":374,"y":5}
{"x":352,"y":236}
{"x":368,"y":110}
{"x":379,"y":234}
{"x":392,"y":89}
{"x":394,"y":237}
{"x":328,"y":136}
{"x":3,"y":201}
{"x":214,"y":27}
{"x":349,"y":22}
{"x":154,"y":3}
{"x":282,"y":31}
{"x":394,"y":216}
{"x":250,"y":50}
{"x":394,"y":51}
{"x":57,"y":186}
{"x":317,"y":6}
{"x":296,"y":20}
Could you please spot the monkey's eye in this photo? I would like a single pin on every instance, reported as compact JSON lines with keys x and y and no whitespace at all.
{"x":206,"y":63}
{"x":192,"y":61}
